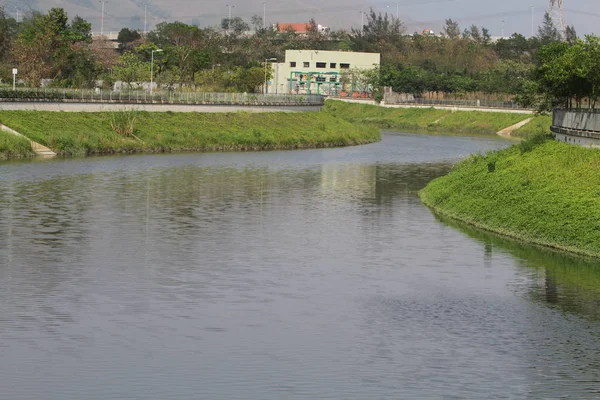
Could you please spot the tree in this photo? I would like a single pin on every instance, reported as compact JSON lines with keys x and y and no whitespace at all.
{"x":547,"y":32}
{"x":131,"y":70}
{"x":571,"y":35}
{"x":126,"y":37}
{"x":451,"y":29}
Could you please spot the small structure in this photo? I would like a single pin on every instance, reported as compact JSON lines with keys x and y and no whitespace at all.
{"x":580,"y":127}
{"x":300,"y":28}
{"x":320,"y":72}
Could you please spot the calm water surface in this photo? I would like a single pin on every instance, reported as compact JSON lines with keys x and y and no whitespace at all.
{"x":282,"y":275}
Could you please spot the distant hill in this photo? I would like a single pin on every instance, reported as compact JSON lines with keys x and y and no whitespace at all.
{"x":333,"y":13}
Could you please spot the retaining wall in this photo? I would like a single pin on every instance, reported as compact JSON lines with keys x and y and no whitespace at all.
{"x":580,"y":127}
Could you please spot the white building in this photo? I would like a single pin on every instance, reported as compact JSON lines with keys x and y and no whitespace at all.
{"x":318,"y":71}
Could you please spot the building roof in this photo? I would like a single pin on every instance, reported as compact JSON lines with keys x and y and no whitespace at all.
{"x":296,"y":27}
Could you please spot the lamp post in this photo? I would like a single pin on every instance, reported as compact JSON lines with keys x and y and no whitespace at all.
{"x":102,"y":18}
{"x":229,"y":17}
{"x":152,"y":70}
{"x":266,"y":61}
{"x":362,"y":21}
{"x":532,"y":19}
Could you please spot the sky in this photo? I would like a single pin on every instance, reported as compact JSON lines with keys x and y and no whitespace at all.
{"x":498,"y":16}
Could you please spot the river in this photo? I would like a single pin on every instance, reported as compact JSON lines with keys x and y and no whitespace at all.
{"x":314,"y":274}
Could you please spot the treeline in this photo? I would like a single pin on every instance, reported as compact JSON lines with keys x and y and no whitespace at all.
{"x":229,"y":58}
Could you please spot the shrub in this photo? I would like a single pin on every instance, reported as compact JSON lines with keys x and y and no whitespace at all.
{"x":123,"y":122}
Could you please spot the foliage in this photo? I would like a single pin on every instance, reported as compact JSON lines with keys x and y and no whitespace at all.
{"x":123,"y":122}
{"x":45,"y":46}
{"x":569,"y":73}
{"x":547,"y":194}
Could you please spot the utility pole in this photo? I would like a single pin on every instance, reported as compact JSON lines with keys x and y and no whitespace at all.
{"x":102,"y":18}
{"x":145,"y":18}
{"x":532,"y":19}
{"x":17,"y":15}
{"x":264,"y":14}
{"x":362,"y":21}
{"x":502,"y":35}
{"x":398,"y":10}
{"x":229,"y":18}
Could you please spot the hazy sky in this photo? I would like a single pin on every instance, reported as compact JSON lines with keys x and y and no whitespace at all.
{"x":418,"y":14}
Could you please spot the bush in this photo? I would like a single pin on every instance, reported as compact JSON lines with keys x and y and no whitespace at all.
{"x":123,"y":122}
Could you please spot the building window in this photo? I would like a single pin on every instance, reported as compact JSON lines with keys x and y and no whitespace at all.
{"x":332,"y":65}
{"x":333,"y":79}
{"x":344,"y":66}
{"x":321,"y":65}
{"x":306,"y":64}
{"x":293,"y":64}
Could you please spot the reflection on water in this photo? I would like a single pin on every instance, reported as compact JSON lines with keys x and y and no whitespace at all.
{"x":308,"y":274}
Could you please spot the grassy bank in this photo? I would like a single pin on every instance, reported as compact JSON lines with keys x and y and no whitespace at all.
{"x":429,"y":119}
{"x":540,"y":125}
{"x":12,"y":146}
{"x":78,"y":133}
{"x":539,"y":191}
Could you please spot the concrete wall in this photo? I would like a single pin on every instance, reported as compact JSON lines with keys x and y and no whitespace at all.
{"x":580,"y":127}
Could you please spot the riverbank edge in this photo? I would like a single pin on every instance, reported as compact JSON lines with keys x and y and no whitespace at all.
{"x":89,"y":134}
{"x":526,"y":237}
{"x":437,"y":119}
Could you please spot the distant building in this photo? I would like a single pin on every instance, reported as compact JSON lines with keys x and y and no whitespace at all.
{"x":300,"y":28}
{"x":319,"y":72}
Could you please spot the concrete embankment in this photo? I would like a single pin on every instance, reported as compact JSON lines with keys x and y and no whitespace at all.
{"x":580,"y":127}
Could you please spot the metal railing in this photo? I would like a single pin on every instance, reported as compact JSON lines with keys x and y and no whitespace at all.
{"x":156,"y":97}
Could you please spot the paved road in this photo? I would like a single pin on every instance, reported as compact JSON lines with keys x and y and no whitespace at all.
{"x":97,"y":107}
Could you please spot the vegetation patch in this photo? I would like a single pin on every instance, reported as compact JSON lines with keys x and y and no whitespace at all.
{"x":539,"y":125}
{"x":540,"y":191}
{"x":428,"y":119}
{"x":74,"y":133}
{"x":12,"y":146}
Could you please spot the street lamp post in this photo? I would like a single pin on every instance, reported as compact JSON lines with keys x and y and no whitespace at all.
{"x":229,"y":17}
{"x":266,"y":61}
{"x":362,"y":21}
{"x":102,"y":18}
{"x":152,"y":70}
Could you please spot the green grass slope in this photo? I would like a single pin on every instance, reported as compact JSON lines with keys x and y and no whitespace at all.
{"x":429,"y":119}
{"x":540,"y":191}
{"x":74,"y":133}
{"x":540,"y":125}
{"x":12,"y":146}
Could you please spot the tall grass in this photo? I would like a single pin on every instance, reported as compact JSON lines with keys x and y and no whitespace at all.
{"x":540,"y":191}
{"x":94,"y":133}
{"x":14,"y":146}
{"x":429,"y":119}
{"x":123,"y":122}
